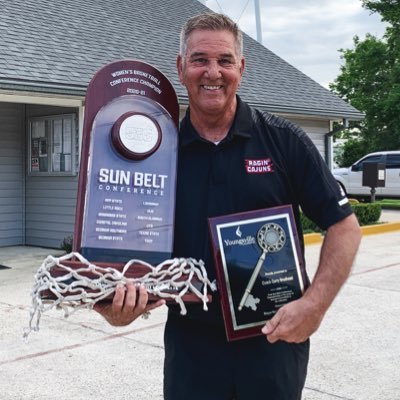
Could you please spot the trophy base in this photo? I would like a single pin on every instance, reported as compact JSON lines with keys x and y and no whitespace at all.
{"x":78,"y":277}
{"x":71,"y":282}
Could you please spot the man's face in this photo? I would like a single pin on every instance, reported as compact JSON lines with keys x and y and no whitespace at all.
{"x":211,"y":70}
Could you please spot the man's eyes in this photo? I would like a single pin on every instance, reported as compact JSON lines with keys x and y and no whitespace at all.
{"x":226,"y":61}
{"x":199,"y":60}
{"x":204,"y":61}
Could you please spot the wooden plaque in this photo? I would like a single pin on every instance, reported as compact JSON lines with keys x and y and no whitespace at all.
{"x":259,"y":267}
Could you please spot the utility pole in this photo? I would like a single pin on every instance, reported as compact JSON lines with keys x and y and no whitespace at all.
{"x":258,"y":20}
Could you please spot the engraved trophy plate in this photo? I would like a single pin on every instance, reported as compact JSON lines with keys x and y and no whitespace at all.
{"x":259,"y":267}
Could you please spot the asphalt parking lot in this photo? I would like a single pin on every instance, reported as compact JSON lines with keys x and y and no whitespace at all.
{"x":355,"y":355}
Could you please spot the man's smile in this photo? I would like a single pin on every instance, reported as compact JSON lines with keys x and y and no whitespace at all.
{"x":209,"y":87}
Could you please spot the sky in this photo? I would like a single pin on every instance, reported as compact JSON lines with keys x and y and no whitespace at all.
{"x":309,"y":33}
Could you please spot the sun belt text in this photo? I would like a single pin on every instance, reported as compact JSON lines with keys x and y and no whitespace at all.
{"x":135,"y":182}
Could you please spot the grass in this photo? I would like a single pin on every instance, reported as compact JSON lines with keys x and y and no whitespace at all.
{"x":391,"y":204}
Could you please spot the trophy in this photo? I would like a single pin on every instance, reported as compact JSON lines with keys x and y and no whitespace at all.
{"x":126,"y":198}
{"x":259,"y":267}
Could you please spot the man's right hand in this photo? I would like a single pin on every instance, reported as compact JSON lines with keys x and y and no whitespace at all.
{"x":127,"y":305}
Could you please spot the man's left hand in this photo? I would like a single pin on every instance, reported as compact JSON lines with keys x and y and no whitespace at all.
{"x":295,"y":322}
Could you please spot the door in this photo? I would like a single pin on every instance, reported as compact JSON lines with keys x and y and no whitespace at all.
{"x":392,"y":184}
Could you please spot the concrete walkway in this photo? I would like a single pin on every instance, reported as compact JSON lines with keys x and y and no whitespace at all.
{"x":390,"y":216}
{"x":355,"y":355}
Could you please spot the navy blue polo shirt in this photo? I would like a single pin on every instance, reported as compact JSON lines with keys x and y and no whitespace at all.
{"x":264,"y":161}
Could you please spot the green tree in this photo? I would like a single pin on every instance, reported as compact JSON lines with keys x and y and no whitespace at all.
{"x":370,"y":80}
{"x":353,"y":149}
{"x":388,"y":9}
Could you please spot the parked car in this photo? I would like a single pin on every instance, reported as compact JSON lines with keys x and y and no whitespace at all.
{"x":350,"y":179}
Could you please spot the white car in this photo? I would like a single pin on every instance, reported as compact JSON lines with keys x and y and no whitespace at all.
{"x":350,"y":179}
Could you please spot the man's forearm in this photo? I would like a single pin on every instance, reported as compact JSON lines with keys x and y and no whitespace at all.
{"x":336,"y":259}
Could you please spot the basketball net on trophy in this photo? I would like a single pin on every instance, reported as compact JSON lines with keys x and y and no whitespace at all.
{"x":126,"y":200}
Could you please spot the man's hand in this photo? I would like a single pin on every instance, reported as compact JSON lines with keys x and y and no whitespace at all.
{"x":298,"y":320}
{"x":295,"y":322}
{"x":126,"y":305}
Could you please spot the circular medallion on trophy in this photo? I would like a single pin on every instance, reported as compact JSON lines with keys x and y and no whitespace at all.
{"x":136,"y":136}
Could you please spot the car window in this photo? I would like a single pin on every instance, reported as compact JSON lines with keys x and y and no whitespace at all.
{"x":370,"y":159}
{"x":393,"y":161}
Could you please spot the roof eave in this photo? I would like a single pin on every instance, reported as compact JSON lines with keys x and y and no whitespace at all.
{"x":43,"y":87}
{"x":320,"y":113}
{"x":300,"y":111}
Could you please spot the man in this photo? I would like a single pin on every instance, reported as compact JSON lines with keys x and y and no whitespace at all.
{"x":218,"y":134}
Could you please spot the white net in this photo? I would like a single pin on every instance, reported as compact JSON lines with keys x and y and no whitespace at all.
{"x":59,"y":285}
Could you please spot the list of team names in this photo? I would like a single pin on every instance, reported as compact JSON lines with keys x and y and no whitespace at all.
{"x":112,"y":223}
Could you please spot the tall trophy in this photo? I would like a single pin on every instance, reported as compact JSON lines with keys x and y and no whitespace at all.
{"x":126,"y":199}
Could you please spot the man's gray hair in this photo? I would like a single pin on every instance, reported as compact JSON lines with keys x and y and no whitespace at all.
{"x":210,"y":22}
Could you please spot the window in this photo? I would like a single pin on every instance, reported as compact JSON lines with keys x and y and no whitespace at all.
{"x":370,"y":159}
{"x":52,"y":146}
{"x":393,"y":161}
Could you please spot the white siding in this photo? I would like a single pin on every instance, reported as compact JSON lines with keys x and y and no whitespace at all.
{"x":50,"y":200}
{"x":11,"y":174}
{"x":316,"y":130}
{"x":50,"y":209}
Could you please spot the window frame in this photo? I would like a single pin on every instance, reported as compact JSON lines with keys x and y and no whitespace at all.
{"x":50,"y":119}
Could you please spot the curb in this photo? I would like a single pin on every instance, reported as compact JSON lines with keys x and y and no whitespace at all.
{"x":315,"y":238}
{"x":381,"y":228}
{"x":312,"y":238}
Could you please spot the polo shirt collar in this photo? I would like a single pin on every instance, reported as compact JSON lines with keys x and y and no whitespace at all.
{"x":241,"y":126}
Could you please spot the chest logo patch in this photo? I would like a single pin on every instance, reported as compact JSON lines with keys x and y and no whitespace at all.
{"x":259,"y":166}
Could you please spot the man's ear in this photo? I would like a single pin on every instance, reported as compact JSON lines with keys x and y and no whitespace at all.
{"x":242,"y":65}
{"x":179,"y":68}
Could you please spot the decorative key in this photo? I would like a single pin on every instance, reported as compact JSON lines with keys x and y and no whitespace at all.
{"x":271,"y":238}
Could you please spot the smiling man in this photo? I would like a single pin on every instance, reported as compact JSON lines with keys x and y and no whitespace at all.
{"x":233,"y":158}
{"x":222,"y":139}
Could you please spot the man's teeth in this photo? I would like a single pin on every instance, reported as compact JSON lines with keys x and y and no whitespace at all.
{"x":212,"y":87}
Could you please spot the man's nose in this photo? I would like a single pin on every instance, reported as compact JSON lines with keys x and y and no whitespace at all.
{"x":213,"y":69}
